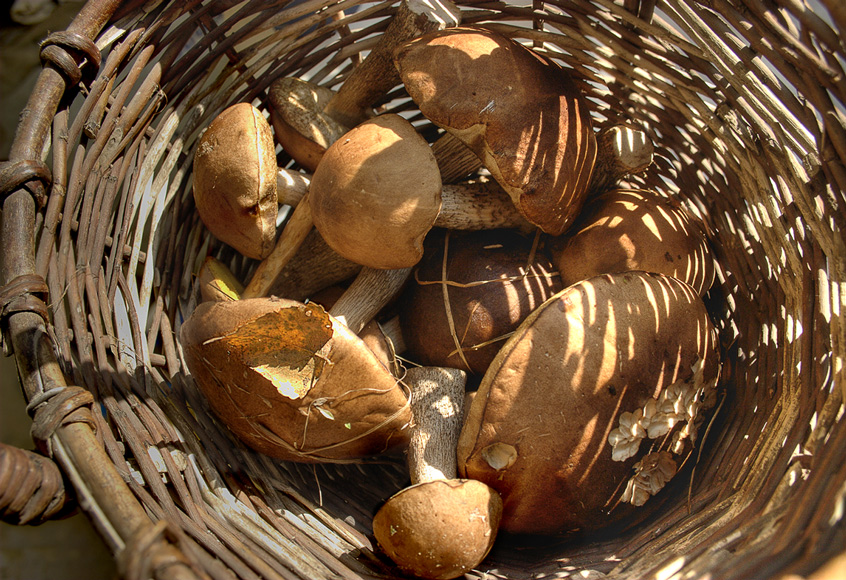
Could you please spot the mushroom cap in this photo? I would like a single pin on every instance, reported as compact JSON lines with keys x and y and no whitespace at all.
{"x":558,"y":422}
{"x":630,"y":229}
{"x":488,"y":299}
{"x":235,"y":180}
{"x":293,"y":383}
{"x":302,"y":127}
{"x":520,"y":113}
{"x":217,"y":282}
{"x":376,"y":193}
{"x":439,"y":529}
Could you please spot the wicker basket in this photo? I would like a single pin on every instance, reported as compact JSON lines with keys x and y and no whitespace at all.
{"x":744,"y":100}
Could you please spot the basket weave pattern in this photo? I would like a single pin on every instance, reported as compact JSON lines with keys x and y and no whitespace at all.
{"x":744,"y":100}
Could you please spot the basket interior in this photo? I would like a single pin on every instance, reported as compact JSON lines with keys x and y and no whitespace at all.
{"x":744,"y":103}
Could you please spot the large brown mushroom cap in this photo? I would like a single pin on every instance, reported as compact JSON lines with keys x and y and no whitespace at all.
{"x":629,"y":229}
{"x":235,"y":180}
{"x":293,"y":383}
{"x":376,"y":193}
{"x":459,"y":309}
{"x":439,"y":529}
{"x":520,"y":113}
{"x":593,"y":402}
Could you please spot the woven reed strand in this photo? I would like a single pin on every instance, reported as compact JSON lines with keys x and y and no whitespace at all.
{"x":744,"y":101}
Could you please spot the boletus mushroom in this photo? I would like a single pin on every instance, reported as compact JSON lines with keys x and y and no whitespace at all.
{"x":440,"y":527}
{"x":636,"y":229}
{"x":235,"y":180}
{"x":293,"y":382}
{"x":593,"y":403}
{"x":308,"y":118}
{"x":469,"y":293}
{"x":378,"y":191}
{"x":518,"y":111}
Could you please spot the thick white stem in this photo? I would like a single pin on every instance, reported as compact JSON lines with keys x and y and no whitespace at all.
{"x":370,"y":291}
{"x":437,"y":407}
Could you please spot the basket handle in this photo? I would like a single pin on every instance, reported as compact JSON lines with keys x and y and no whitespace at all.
{"x":121,"y":519}
{"x":32,"y":490}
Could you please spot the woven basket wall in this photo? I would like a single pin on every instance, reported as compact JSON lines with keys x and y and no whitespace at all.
{"x":744,"y":100}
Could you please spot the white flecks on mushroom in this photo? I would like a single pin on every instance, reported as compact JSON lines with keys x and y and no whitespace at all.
{"x":651,"y":474}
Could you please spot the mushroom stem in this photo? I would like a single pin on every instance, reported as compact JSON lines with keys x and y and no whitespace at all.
{"x":480,"y":205}
{"x":437,"y":408}
{"x":293,"y":236}
{"x":315,"y":267}
{"x":308,"y":118}
{"x":291,"y":186}
{"x":622,"y":151}
{"x":371,"y":290}
{"x":455,"y":159}
{"x":376,"y":75}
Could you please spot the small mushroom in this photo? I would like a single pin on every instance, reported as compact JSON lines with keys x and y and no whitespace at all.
{"x":623,"y":150}
{"x":308,"y":118}
{"x":440,"y":527}
{"x":217,"y":283}
{"x":518,"y":111}
{"x":235,"y":180}
{"x":636,"y":229}
{"x":592,"y":403}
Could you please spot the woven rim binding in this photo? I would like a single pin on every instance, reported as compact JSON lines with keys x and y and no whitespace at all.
{"x":744,"y":101}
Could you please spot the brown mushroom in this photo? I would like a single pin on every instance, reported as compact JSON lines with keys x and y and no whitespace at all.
{"x":440,"y":527}
{"x":308,"y":118}
{"x":623,"y":150}
{"x":295,"y":382}
{"x":636,"y":229}
{"x":235,"y":180}
{"x":558,"y":424}
{"x":469,"y":293}
{"x":217,"y":283}
{"x":473,"y":212}
{"x":378,"y":191}
{"x":518,"y":111}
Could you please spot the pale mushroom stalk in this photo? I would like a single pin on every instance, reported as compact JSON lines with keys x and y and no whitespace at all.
{"x":440,"y":527}
{"x":293,"y":235}
{"x":370,"y":291}
{"x":437,"y":406}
